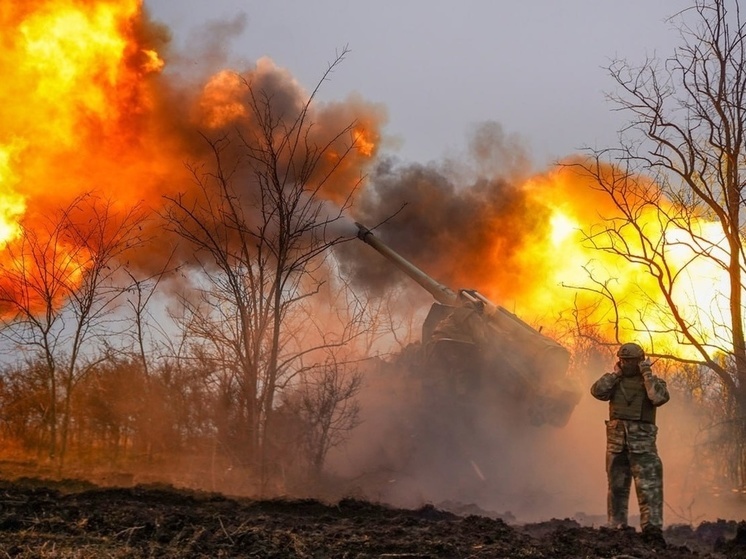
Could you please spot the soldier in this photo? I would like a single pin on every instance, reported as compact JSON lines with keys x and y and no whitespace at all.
{"x":633,"y":393}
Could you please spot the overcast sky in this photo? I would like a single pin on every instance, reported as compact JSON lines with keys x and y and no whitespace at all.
{"x":537,"y":67}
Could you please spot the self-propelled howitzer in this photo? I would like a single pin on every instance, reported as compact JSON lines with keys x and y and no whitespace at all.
{"x":486,"y":350}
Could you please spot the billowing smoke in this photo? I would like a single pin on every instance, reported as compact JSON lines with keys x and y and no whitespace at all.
{"x":466,"y":224}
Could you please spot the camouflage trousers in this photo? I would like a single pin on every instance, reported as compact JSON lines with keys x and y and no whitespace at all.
{"x":632,"y":454}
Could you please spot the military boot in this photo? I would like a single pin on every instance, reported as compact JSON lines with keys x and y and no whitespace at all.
{"x":653,"y":536}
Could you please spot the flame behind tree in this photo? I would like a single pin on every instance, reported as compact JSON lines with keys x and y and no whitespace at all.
{"x":73,"y":103}
{"x":60,"y":284}
{"x":86,"y":107}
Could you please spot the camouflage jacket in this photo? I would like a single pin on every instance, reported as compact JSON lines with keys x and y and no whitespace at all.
{"x":655,"y":388}
{"x":633,"y":435}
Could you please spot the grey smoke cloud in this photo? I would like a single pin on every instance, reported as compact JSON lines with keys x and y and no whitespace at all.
{"x":462,"y":223}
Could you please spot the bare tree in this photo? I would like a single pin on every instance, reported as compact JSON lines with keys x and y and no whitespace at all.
{"x":140,"y":294}
{"x":260,"y":231}
{"x":324,"y":406}
{"x":24,"y":408}
{"x":58,"y":291}
{"x":678,"y":181}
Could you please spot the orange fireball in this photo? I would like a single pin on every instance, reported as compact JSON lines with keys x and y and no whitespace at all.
{"x":85,"y":108}
{"x":569,"y":274}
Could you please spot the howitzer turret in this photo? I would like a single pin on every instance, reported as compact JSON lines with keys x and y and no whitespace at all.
{"x":487,"y":349}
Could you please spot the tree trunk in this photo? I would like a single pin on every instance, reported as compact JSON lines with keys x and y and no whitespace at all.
{"x":52,"y":416}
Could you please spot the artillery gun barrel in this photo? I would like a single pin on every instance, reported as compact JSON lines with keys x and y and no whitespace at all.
{"x":444,"y":295}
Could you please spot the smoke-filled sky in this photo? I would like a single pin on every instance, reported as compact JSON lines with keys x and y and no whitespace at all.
{"x":440,"y":68}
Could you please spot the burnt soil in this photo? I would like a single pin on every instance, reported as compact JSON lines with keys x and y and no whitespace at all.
{"x":72,"y":519}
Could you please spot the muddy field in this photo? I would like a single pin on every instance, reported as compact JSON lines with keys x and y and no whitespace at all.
{"x":71,"y":519}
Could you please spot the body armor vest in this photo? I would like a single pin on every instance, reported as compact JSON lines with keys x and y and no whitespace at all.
{"x":630,"y":401}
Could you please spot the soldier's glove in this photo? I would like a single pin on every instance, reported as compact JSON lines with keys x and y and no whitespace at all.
{"x":617,"y":369}
{"x":645,"y":367}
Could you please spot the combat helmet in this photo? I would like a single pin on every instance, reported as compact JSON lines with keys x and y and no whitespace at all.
{"x":630,"y":351}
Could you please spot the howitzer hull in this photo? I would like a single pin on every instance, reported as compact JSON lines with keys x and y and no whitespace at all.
{"x":508,"y":367}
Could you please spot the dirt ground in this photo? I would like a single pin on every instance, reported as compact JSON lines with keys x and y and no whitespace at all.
{"x":68,"y":519}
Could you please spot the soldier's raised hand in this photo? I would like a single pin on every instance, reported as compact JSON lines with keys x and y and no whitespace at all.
{"x":645,"y":367}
